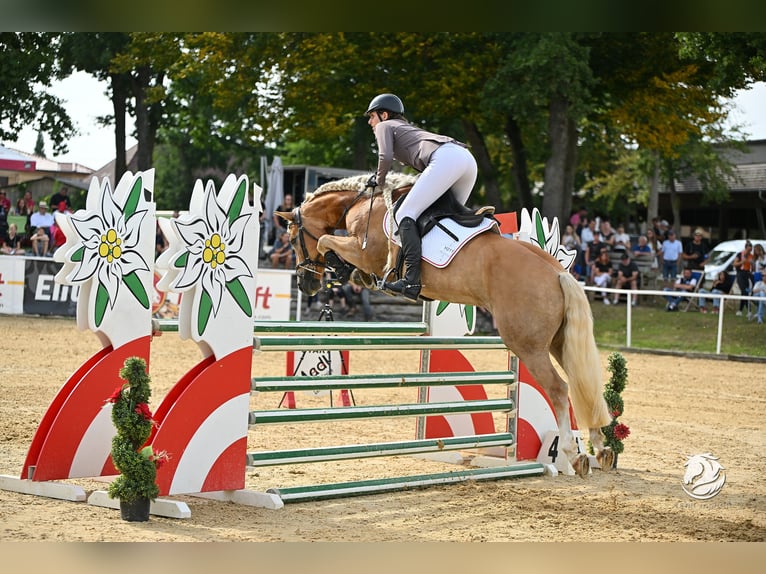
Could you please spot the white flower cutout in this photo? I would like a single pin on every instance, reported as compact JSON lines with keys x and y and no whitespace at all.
{"x":536,"y":231}
{"x":106,"y":248}
{"x":210,"y":255}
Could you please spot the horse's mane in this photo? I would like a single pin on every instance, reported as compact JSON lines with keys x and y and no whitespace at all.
{"x":357,"y":183}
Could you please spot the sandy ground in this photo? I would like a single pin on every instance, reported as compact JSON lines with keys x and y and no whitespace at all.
{"x":674,"y":406}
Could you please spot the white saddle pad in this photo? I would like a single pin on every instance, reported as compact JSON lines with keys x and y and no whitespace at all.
{"x":438,"y":247}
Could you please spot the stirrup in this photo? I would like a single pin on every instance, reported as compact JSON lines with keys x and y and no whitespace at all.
{"x":404,"y":289}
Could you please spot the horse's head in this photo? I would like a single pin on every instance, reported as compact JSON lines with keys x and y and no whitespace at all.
{"x":310,"y":264}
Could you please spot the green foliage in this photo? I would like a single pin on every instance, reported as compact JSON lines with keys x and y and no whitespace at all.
{"x":612,"y":392}
{"x":132,"y":419}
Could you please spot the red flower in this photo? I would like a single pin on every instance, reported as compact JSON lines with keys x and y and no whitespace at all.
{"x":621,"y":432}
{"x":616,"y":413}
{"x":115,"y":396}
{"x":160,"y":458}
{"x":143,"y":410}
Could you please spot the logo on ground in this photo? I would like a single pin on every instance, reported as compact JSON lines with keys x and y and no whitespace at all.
{"x":704,"y":477}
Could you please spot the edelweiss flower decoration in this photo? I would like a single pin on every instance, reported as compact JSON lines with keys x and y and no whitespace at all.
{"x":105,"y":247}
{"x":537,"y":230}
{"x":210,"y":253}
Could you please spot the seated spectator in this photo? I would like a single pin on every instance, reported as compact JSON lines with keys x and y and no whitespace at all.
{"x":642,"y":246}
{"x":627,"y":274}
{"x":58,"y":238}
{"x":42,"y":219}
{"x":602,"y":273}
{"x":571,"y":240}
{"x":723,"y":284}
{"x":160,"y":241}
{"x":5,"y":203}
{"x":40,"y":242}
{"x":606,"y":231}
{"x":11,"y":243}
{"x":695,"y":253}
{"x":684,"y":283}
{"x":59,"y":196}
{"x":592,"y":252}
{"x":759,"y":290}
{"x":282,"y":252}
{"x":621,"y":239}
{"x":356,"y":293}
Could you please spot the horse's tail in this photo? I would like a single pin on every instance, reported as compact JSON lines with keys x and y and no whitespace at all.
{"x":580,"y":358}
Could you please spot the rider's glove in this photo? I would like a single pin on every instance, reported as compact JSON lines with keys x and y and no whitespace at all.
{"x":373,"y":181}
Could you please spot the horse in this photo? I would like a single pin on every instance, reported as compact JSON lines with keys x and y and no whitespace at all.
{"x":539,"y":308}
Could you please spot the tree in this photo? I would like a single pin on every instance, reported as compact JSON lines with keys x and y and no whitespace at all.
{"x":29,"y":67}
{"x":40,"y":145}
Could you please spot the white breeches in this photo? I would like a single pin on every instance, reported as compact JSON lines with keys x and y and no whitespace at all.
{"x":451,"y":166}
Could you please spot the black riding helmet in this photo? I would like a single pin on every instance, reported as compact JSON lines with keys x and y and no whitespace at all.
{"x":388,"y":102}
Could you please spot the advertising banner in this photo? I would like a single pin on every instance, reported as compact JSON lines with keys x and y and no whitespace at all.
{"x":11,"y":285}
{"x":42,"y":295}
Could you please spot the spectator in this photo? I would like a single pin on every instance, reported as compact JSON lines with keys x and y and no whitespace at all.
{"x":40,"y":241}
{"x":743,"y":263}
{"x":607,"y":233}
{"x":656,"y":247}
{"x":685,"y":283}
{"x":41,"y":218}
{"x":11,"y":243}
{"x":663,"y":230}
{"x":642,"y":246}
{"x":759,"y":290}
{"x":282,"y":252}
{"x":25,"y":205}
{"x":57,"y":236}
{"x":621,"y":239}
{"x":354,"y":293}
{"x":588,"y":232}
{"x":5,"y":203}
{"x":593,"y":251}
{"x":627,"y":274}
{"x":696,"y":252}
{"x":60,"y":196}
{"x":160,"y":241}
{"x":723,"y":284}
{"x":602,"y":273}
{"x":575,"y":220}
{"x":279,"y":224}
{"x":571,"y":240}
{"x":671,"y":252}
{"x":759,"y":258}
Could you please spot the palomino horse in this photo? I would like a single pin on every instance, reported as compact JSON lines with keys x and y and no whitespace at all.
{"x":538,"y":307}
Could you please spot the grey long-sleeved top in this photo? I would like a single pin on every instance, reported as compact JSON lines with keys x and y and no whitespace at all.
{"x":411,"y":145}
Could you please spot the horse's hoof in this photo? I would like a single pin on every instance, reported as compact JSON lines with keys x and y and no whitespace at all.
{"x":581,"y":465}
{"x":605,"y":458}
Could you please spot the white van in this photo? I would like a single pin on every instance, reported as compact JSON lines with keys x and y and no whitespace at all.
{"x":722,"y":256}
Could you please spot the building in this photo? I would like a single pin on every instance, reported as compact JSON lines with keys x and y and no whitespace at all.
{"x":743,"y":215}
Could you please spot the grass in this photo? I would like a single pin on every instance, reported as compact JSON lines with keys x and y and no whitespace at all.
{"x":655,"y":328}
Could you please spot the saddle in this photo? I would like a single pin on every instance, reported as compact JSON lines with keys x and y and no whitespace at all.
{"x":448,"y":206}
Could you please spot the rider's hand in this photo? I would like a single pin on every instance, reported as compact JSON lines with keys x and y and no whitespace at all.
{"x":373,"y":181}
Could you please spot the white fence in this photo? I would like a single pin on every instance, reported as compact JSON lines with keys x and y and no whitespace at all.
{"x":643,"y":292}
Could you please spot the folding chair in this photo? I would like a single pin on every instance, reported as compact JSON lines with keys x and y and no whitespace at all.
{"x":699,"y":275}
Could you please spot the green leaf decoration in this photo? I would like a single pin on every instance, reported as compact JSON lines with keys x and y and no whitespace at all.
{"x":540,"y":232}
{"x":469,"y":316}
{"x":133,"y":198}
{"x":238,"y":201}
{"x":240,"y":296}
{"x":181,"y":261}
{"x":137,"y":288}
{"x":205,"y":308}
{"x":77,"y":255}
{"x":441,"y":307}
{"x":102,"y":300}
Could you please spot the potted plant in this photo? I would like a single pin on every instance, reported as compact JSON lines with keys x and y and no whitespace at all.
{"x":615,"y":432}
{"x":136,"y":486}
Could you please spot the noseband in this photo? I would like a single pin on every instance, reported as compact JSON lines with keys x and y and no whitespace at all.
{"x":308,"y":264}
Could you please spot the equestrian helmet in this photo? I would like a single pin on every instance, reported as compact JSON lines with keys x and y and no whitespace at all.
{"x":388,"y":102}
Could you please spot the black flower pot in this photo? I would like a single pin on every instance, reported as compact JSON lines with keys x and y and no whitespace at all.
{"x":135,"y":510}
{"x":614,"y":463}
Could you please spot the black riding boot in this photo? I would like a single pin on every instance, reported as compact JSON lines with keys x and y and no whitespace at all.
{"x":409,"y":286}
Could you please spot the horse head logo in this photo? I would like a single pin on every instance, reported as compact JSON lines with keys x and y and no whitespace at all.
{"x":704,"y":476}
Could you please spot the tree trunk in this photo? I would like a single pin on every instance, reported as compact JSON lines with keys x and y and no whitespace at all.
{"x":653,"y":208}
{"x":147,"y":116}
{"x":119,"y":104}
{"x":519,"y":169}
{"x":361,"y":146}
{"x":486,"y":169}
{"x":559,"y":169}
{"x":675,"y":203}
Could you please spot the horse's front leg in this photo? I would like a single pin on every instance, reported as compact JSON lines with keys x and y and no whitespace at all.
{"x":348,"y":249}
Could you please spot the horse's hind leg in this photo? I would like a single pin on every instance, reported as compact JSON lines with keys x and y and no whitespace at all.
{"x":542,"y":369}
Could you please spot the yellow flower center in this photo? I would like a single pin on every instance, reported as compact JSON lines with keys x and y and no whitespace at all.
{"x":110,"y":247}
{"x":214,"y":253}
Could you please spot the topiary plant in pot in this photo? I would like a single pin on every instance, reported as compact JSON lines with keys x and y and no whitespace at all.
{"x":616,"y":431}
{"x":136,"y":486}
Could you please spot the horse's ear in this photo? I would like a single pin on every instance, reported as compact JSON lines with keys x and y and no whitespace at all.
{"x":286,"y":215}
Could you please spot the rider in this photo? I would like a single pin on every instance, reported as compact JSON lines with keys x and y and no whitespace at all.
{"x":445,"y":164}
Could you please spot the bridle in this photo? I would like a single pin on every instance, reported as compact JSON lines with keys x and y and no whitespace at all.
{"x":308,"y":264}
